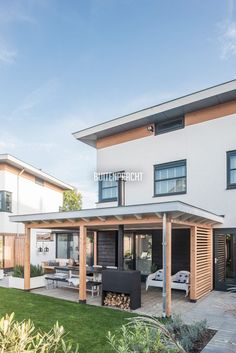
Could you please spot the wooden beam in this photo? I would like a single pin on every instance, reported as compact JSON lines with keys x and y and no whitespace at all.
{"x":112,"y":221}
{"x":27,"y":259}
{"x":168,"y":267}
{"x":85,"y":219}
{"x":95,"y":253}
{"x":193,"y":262}
{"x":101,"y":218}
{"x":119,"y":218}
{"x":82,"y":264}
{"x":138,"y":216}
{"x":120,"y":247}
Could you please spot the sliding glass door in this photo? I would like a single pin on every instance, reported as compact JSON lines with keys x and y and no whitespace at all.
{"x":138,"y":252}
{"x":144,"y":253}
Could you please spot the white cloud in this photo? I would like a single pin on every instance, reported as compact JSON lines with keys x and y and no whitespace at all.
{"x":227,"y":39}
{"x":7,"y":56}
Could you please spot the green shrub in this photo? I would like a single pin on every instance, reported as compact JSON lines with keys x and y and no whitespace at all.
{"x":144,"y":335}
{"x":35,"y":271}
{"x":22,"y":337}
{"x":187,"y":335}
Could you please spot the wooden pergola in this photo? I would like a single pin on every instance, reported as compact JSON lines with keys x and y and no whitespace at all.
{"x":166,"y":215}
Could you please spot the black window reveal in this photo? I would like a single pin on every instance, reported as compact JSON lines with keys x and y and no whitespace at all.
{"x":39,"y":181}
{"x":164,"y":126}
{"x":108,"y":188}
{"x":5,"y":201}
{"x":231,"y":169}
{"x":170,"y":178}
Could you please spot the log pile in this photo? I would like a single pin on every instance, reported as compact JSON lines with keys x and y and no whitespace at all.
{"x":118,"y":300}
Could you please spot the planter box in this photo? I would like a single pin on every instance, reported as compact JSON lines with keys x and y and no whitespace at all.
{"x":35,"y":282}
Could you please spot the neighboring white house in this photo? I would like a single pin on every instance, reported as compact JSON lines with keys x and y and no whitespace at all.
{"x":26,"y":189}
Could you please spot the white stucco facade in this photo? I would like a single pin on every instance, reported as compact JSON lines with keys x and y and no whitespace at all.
{"x":28,"y":197}
{"x":203,"y":145}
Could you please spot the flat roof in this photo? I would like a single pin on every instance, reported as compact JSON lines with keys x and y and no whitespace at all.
{"x":15,"y":162}
{"x":176,"y":208}
{"x":221,"y":93}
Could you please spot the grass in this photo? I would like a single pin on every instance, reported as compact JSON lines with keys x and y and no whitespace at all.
{"x":87,"y":325}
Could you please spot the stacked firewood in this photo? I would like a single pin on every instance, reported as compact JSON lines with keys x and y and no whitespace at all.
{"x":118,"y":300}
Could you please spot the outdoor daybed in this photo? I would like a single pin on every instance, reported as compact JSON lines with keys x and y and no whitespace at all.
{"x":181,"y":280}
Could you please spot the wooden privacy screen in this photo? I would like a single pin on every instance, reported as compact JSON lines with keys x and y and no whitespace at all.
{"x":201,"y":262}
{"x":19,"y":250}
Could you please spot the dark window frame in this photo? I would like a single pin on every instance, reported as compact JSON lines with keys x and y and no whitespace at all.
{"x":39,"y":181}
{"x":4,"y":208}
{"x":100,"y":189}
{"x":229,"y":154}
{"x":161,"y":129}
{"x":179,"y":163}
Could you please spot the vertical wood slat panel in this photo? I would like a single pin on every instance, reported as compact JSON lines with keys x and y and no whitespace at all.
{"x":201,"y":262}
{"x":19,"y":250}
{"x":9,"y":251}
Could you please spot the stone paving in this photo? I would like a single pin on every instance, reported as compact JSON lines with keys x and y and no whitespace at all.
{"x":218,"y":308}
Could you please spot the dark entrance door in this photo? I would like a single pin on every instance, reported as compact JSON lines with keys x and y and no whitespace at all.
{"x":224,"y":259}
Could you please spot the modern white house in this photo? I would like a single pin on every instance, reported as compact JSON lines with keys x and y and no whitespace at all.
{"x":26,"y":189}
{"x":166,"y":193}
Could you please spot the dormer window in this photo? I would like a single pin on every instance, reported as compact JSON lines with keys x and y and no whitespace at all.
{"x":164,"y":126}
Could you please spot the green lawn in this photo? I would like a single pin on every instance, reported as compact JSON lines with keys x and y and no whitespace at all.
{"x":86,"y":325}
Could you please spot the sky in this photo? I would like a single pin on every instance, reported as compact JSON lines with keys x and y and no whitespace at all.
{"x":67,"y":65}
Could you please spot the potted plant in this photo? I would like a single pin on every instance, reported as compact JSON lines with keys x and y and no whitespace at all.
{"x":36,"y":277}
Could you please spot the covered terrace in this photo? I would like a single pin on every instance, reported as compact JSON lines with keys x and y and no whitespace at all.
{"x":165,"y":216}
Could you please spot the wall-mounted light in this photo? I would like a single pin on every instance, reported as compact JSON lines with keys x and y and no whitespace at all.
{"x":150,"y":128}
{"x":46,"y":249}
{"x":40,"y":249}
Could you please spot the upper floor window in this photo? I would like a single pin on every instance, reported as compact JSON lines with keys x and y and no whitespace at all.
{"x":170,"y":178}
{"x":108,"y":188}
{"x":5,"y":201}
{"x":231,"y":169}
{"x":169,"y":125}
{"x":39,"y":181}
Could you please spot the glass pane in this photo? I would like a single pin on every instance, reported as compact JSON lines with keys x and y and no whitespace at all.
{"x":171,"y":186}
{"x":181,"y":185}
{"x":128,"y":252}
{"x":73,"y":246}
{"x":233,"y":177}
{"x":180,"y":171}
{"x":161,"y":174}
{"x":109,"y":193}
{"x":62,"y":246}
{"x":144,"y":253}
{"x":1,"y":200}
{"x":161,"y":187}
{"x":109,"y":183}
{"x":90,"y":249}
{"x":1,"y":251}
{"x":232,"y":162}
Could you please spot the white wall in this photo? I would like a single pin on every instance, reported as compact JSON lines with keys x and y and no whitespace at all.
{"x":204,"y":146}
{"x":36,"y":256}
{"x":33,"y":198}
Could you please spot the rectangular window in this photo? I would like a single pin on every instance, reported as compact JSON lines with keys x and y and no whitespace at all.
{"x":39,"y":181}
{"x":108,"y":188}
{"x":231,"y":170}
{"x":5,"y":201}
{"x":162,"y":127}
{"x":170,"y":178}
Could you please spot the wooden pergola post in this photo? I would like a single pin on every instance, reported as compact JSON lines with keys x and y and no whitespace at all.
{"x":166,"y":243}
{"x":95,"y":253}
{"x":82,"y":264}
{"x":27,"y":259}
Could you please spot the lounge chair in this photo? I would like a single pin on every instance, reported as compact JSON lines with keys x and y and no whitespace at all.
{"x":181,"y":280}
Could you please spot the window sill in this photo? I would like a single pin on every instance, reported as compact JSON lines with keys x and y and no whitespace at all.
{"x":104,"y":201}
{"x":171,"y":194}
{"x":231,"y":187}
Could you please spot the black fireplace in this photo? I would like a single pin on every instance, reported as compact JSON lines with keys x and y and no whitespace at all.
{"x":124,"y":282}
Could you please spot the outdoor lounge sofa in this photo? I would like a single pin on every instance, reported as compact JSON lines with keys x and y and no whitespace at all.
{"x":181,"y":280}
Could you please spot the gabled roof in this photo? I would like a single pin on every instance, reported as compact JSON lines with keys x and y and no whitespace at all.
{"x":17,"y":163}
{"x":176,"y":208}
{"x":208,"y":97}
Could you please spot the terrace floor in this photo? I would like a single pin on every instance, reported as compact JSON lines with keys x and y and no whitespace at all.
{"x":218,"y":308}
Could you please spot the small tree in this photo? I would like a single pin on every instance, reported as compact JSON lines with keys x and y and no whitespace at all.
{"x":72,"y":201}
